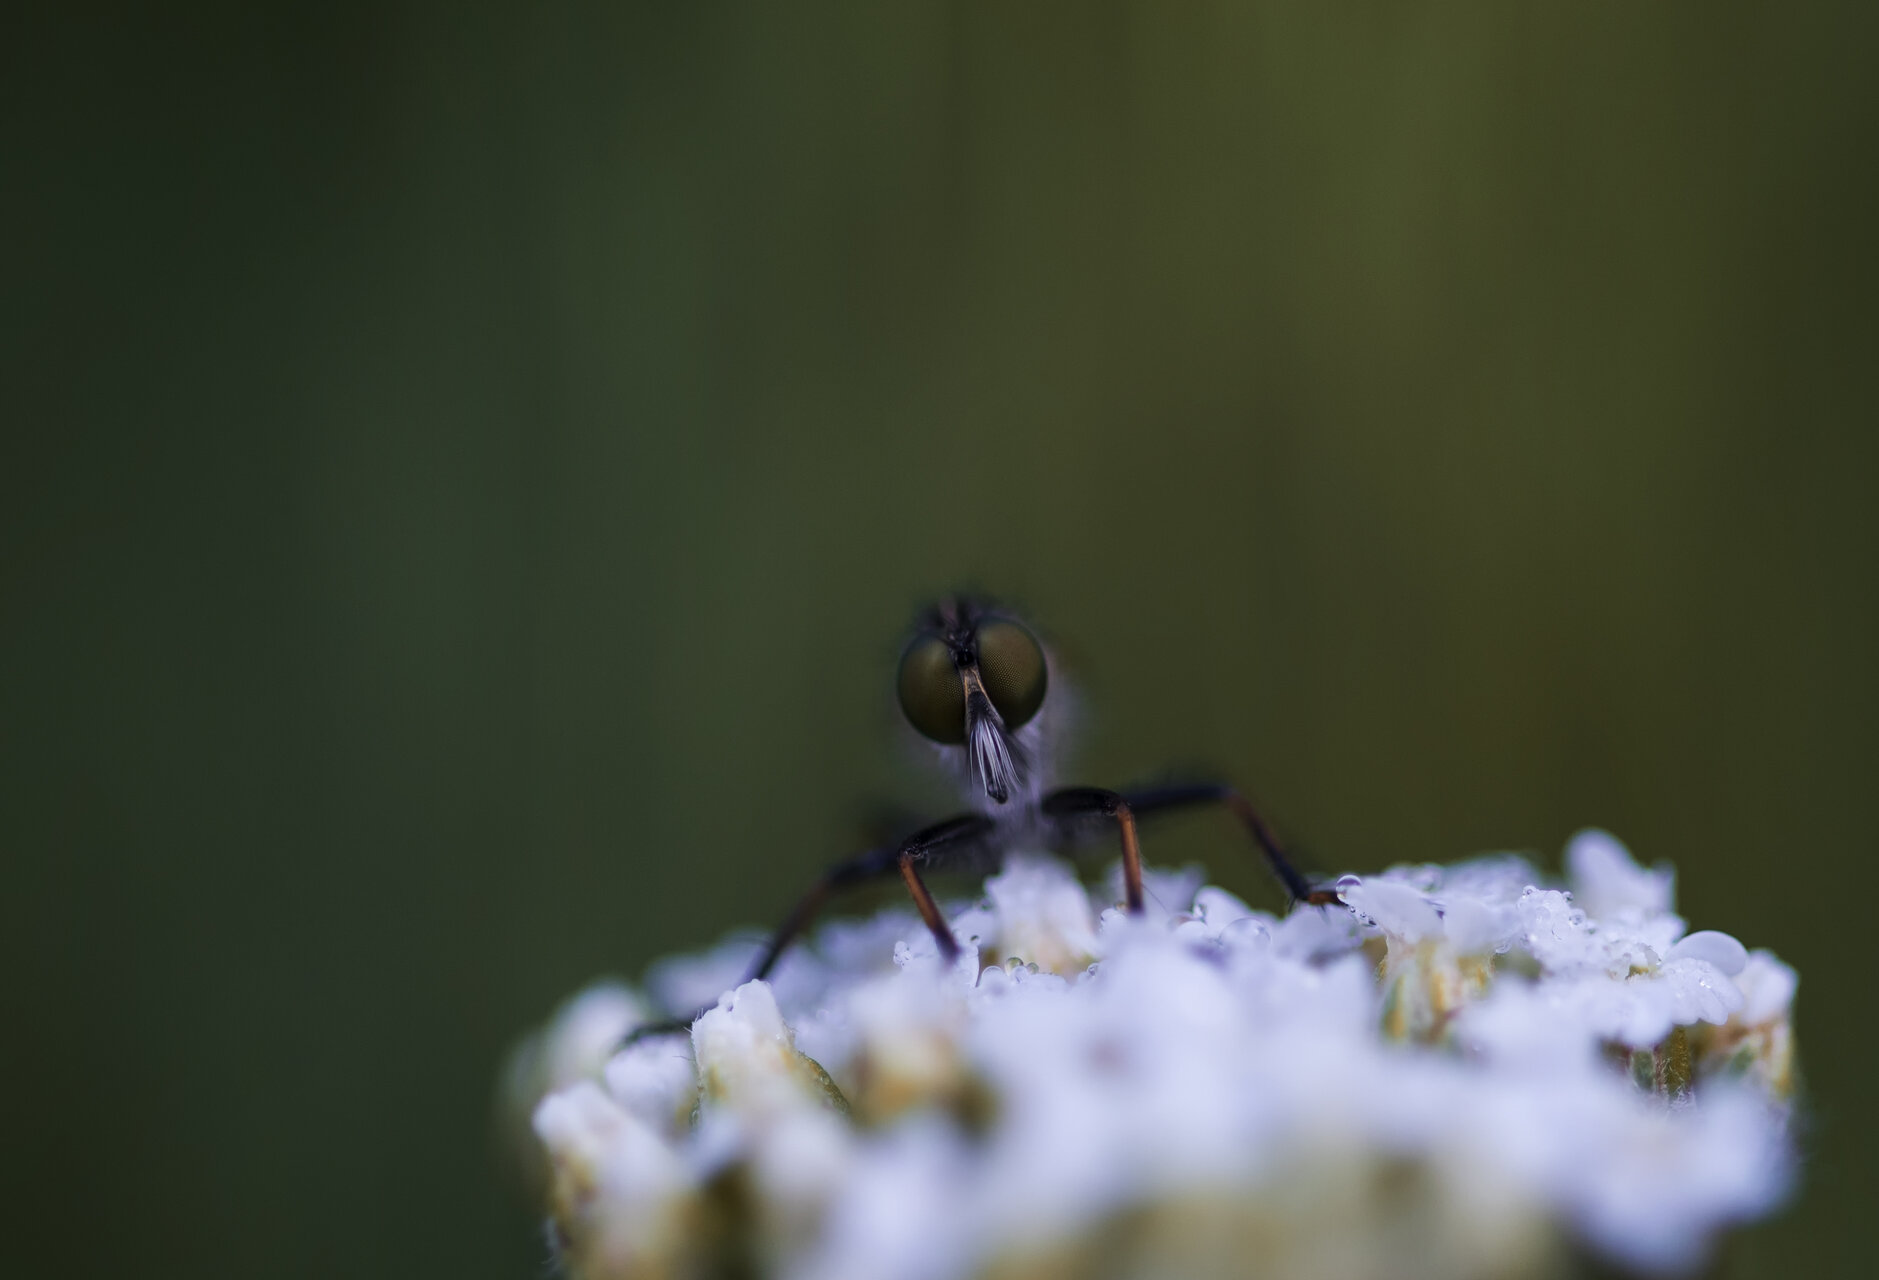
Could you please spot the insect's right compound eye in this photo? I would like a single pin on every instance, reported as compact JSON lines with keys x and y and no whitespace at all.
{"x":931,"y":693}
{"x":1012,"y":665}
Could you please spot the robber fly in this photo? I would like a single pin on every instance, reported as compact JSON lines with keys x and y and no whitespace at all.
{"x":974,"y":681}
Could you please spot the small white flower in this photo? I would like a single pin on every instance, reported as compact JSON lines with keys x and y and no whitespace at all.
{"x":747,"y":1061}
{"x":1757,"y":1043}
{"x":656,"y":1081}
{"x":623,"y":1198}
{"x":572,"y":1046}
{"x":1042,"y":916}
{"x":1608,"y":883}
{"x":576,"y":1042}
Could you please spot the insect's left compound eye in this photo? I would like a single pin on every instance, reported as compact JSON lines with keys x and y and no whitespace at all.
{"x":931,"y":692}
{"x":1011,"y":663}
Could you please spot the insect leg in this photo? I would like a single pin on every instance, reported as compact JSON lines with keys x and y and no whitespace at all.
{"x":941,"y":838}
{"x":1171,"y":799}
{"x":871,"y":865}
{"x":1071,"y":803}
{"x":922,"y":845}
{"x":950,"y":836}
{"x":857,"y":870}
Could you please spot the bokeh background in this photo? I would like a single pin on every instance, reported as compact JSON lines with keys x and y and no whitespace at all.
{"x":467,"y":472}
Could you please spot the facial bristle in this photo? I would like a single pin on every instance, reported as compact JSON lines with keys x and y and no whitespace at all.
{"x":998,"y":769}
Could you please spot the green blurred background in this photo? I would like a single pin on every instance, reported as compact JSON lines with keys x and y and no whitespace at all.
{"x":467,"y":473}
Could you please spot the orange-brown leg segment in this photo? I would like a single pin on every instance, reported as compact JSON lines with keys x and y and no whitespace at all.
{"x":929,"y":909}
{"x":1074,"y":803}
{"x":1169,"y":799}
{"x":1131,"y":857}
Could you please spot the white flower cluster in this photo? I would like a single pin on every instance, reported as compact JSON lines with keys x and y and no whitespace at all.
{"x":1465,"y":1074}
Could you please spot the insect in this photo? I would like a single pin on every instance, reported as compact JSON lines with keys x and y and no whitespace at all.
{"x":975,"y":682}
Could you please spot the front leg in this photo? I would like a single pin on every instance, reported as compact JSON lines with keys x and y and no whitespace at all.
{"x":1071,"y":803}
{"x":1172,"y":799}
{"x":929,"y":844}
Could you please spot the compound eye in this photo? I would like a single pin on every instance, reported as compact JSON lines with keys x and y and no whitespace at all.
{"x":1011,"y":663}
{"x":931,"y":693}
